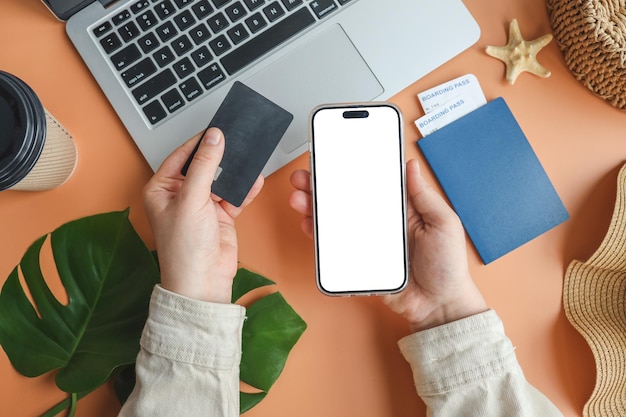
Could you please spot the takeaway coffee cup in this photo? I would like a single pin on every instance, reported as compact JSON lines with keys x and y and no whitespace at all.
{"x":36,"y":152}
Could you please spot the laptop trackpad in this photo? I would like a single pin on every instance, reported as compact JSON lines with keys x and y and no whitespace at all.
{"x":327,"y":69}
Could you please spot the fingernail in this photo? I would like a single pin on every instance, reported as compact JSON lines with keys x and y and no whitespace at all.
{"x":212,"y":137}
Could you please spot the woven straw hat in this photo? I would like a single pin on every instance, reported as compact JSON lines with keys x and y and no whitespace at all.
{"x":592,"y":36}
{"x":594,"y":298}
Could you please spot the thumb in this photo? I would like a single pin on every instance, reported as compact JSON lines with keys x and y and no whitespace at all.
{"x":205,"y":162}
{"x":425,"y":200}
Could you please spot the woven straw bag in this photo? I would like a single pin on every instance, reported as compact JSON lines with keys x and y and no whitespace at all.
{"x":592,"y":37}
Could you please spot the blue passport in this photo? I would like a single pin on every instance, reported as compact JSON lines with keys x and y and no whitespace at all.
{"x":493,"y":179}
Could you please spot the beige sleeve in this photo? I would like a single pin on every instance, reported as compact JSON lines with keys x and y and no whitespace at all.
{"x":189,"y":359}
{"x":469,"y":368}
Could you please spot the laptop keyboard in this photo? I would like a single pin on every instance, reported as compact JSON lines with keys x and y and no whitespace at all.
{"x":168,"y":53}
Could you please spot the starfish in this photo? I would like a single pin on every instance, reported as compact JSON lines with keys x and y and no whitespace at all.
{"x":520,"y":55}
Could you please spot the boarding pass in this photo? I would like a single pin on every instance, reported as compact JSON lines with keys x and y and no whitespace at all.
{"x":448,"y":102}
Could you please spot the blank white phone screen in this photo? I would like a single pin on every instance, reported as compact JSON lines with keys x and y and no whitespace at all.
{"x":359,"y":199}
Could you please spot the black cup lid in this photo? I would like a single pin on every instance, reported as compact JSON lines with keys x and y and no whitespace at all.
{"x":22,"y":129}
{"x":11,"y":120}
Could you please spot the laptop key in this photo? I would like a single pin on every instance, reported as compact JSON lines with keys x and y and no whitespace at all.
{"x":140,"y":6}
{"x":218,"y":22}
{"x":220,"y":3}
{"x":274,"y":11}
{"x":201,"y":56}
{"x":163,"y":56}
{"x":173,"y":100}
{"x":211,"y":76}
{"x":236,"y":11}
{"x":165,"y":9}
{"x":268,"y":40}
{"x":126,"y":56}
{"x":182,"y":3}
{"x":154,"y":112}
{"x":138,"y":72}
{"x":121,"y":17}
{"x":184,"y":20}
{"x":253,"y":4}
{"x":202,"y":9}
{"x":323,"y":8}
{"x":147,"y":20}
{"x":154,"y":86}
{"x":220,"y":45}
{"x":191,"y":89}
{"x":166,"y":31}
{"x":256,"y":22}
{"x":238,"y":34}
{"x":200,"y":33}
{"x":291,"y":4}
{"x":110,"y":43}
{"x":102,"y":28}
{"x":182,"y":45}
{"x":148,"y":43}
{"x":183,"y":68}
{"x":128,"y":31}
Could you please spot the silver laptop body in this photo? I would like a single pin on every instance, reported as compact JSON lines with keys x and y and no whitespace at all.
{"x":361,"y":50}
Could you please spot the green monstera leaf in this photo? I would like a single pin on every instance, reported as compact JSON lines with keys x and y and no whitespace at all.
{"x":108,"y":274}
{"x":270,"y":331}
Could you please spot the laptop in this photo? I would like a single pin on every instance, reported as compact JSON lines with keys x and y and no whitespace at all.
{"x":166,"y":65}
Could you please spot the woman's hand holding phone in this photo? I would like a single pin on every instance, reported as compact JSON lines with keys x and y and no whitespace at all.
{"x":441,"y":288}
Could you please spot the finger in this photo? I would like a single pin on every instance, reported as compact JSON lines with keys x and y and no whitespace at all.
{"x":426,"y":201}
{"x":254,"y":191}
{"x":301,"y":202}
{"x":172,"y":165}
{"x":307,"y":226}
{"x":204,"y":164}
{"x":234,"y":211}
{"x":301,"y":180}
{"x":168,"y":178}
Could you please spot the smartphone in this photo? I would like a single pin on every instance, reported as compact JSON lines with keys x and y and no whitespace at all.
{"x":359,"y":199}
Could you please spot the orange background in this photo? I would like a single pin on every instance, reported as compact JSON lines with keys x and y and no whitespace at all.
{"x":347,"y":363}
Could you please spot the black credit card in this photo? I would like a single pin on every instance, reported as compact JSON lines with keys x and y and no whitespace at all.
{"x":252,"y":127}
